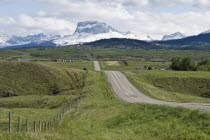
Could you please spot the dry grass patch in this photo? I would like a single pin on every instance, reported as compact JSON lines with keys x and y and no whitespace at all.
{"x":112,"y":63}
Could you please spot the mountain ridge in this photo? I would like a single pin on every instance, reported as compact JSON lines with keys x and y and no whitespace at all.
{"x":173,"y":36}
{"x":90,"y":31}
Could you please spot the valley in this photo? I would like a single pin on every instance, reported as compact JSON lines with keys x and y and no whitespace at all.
{"x":101,"y":114}
{"x":104,"y":70}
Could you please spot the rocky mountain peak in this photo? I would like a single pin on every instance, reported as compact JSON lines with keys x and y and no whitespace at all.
{"x":173,"y":36}
{"x":93,"y":27}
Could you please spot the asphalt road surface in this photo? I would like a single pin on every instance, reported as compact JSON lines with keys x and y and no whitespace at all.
{"x":127,"y":92}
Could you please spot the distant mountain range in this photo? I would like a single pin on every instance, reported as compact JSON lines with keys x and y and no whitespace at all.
{"x":199,"y":42}
{"x":85,"y":32}
{"x":91,"y":31}
{"x":174,"y":36}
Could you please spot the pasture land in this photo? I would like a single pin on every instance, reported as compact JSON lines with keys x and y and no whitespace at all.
{"x":101,"y":115}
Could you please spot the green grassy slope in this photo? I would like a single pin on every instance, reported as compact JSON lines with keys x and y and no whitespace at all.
{"x":174,"y":86}
{"x":31,"y":87}
{"x":178,"y":86}
{"x":102,"y":116}
{"x":24,"y":78}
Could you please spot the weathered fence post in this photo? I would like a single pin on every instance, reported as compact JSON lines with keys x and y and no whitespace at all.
{"x":10,"y":122}
{"x":18,"y":124}
{"x":48,"y":125}
{"x":45,"y":125}
{"x":40,"y":126}
{"x":26,"y":125}
{"x":34,"y":126}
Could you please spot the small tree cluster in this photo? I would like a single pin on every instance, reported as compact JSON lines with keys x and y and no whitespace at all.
{"x":204,"y":65}
{"x":187,"y":64}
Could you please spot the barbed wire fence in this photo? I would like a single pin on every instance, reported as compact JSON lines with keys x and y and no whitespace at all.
{"x":26,"y":125}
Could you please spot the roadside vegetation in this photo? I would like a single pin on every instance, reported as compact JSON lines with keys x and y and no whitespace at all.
{"x":103,"y":116}
{"x":172,"y":85}
{"x":176,"y":86}
{"x":40,"y":89}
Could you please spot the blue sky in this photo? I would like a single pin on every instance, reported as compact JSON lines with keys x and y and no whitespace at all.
{"x":15,"y":8}
{"x":149,"y":17}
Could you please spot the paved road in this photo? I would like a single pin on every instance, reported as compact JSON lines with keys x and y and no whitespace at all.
{"x":96,"y":66}
{"x":127,"y":92}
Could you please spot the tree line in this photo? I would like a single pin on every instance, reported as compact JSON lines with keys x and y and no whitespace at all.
{"x":187,"y":64}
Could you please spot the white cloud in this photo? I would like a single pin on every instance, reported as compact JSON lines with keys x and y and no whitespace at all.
{"x":133,"y":15}
{"x":6,"y":20}
{"x":41,"y":13}
{"x":26,"y":24}
{"x":46,"y":24}
{"x":202,"y":4}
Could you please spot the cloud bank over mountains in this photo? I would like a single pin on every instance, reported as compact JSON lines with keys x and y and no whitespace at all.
{"x":149,"y":17}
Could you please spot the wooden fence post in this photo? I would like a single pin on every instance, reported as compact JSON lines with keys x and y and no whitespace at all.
{"x":40,"y":126}
{"x":10,"y":122}
{"x":45,"y":125}
{"x":34,"y":126}
{"x":48,"y":125}
{"x":26,"y":125}
{"x":18,"y":124}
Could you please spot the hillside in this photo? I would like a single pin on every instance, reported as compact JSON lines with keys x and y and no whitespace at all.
{"x":199,"y":42}
{"x":117,"y":43}
{"x":101,"y":115}
{"x":24,"y":78}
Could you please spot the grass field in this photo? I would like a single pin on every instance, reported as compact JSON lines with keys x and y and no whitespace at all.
{"x":85,"y":52}
{"x":103,"y":116}
{"x":174,"y":86}
{"x":37,"y":91}
{"x":132,"y":65}
{"x":25,"y":78}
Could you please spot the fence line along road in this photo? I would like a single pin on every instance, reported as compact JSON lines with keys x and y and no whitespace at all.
{"x":43,"y":124}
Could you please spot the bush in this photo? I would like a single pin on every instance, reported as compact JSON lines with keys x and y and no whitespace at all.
{"x":182,"y":64}
{"x":204,"y":65}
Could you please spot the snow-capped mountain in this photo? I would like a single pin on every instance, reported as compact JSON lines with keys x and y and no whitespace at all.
{"x":206,"y":32}
{"x":30,"y":39}
{"x":93,"y":27}
{"x":4,"y":39}
{"x":90,"y":31}
{"x":85,"y":32}
{"x":174,"y":36}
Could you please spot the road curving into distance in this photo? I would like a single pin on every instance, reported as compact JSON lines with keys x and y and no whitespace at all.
{"x":127,"y":92}
{"x":96,"y":66}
